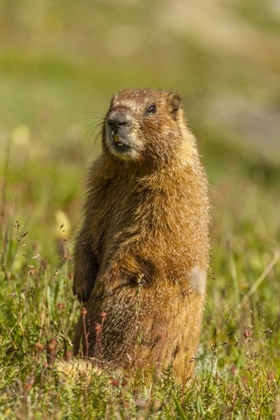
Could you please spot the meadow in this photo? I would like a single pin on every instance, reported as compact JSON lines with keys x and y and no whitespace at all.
{"x":238,"y":362}
{"x":53,"y":98}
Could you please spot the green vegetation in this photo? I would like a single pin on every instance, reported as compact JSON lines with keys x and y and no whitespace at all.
{"x":59,"y":65}
{"x":238,"y":362}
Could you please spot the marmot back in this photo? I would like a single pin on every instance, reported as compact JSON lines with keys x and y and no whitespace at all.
{"x":142,"y":253}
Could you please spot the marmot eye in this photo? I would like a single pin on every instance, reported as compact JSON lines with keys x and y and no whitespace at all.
{"x":152,"y":109}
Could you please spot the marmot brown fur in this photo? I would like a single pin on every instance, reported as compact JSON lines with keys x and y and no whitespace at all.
{"x":142,"y":253}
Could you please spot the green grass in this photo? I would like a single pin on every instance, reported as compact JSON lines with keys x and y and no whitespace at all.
{"x":59,"y":66}
{"x":238,"y":362}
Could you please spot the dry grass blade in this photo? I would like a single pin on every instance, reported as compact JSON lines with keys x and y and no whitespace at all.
{"x":264,"y":274}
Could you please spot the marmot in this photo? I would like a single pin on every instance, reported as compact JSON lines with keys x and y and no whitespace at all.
{"x":142,"y":253}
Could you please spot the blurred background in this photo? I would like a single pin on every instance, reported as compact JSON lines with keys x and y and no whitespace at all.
{"x":61,"y":61}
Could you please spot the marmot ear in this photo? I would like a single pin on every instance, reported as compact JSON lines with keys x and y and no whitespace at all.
{"x":174,"y":102}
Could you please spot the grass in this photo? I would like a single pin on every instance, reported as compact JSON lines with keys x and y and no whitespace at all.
{"x":57,"y":65}
{"x":238,"y":362}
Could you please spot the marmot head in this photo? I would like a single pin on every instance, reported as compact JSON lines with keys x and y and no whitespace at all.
{"x":143,"y":126}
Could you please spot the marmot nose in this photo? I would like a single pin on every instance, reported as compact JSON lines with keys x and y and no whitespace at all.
{"x":117,"y":119}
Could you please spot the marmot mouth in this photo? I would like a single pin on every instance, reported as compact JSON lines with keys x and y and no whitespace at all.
{"x":119,"y":144}
{"x":117,"y":140}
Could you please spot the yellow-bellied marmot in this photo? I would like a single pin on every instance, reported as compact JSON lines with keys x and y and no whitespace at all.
{"x":142,"y":253}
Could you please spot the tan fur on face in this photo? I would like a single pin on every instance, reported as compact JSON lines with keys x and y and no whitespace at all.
{"x":143,"y":250}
